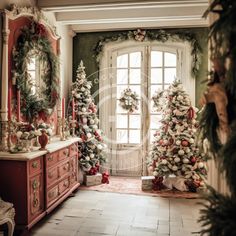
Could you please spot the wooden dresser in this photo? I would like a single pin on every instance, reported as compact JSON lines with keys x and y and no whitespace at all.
{"x":38,"y":181}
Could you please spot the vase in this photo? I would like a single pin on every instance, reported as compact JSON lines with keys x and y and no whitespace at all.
{"x":43,"y":140}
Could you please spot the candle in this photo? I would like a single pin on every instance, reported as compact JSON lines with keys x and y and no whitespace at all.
{"x":9,"y":104}
{"x":63,"y":108}
{"x":18,"y":105}
{"x":73,"y":109}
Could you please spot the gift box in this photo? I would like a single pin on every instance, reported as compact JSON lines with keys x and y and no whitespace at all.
{"x":91,"y":180}
{"x":147,"y":182}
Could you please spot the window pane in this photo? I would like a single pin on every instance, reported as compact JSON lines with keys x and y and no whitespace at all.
{"x":122,"y":136}
{"x":155,"y":88}
{"x":122,"y":121}
{"x":120,"y":89}
{"x":122,"y":76}
{"x":170,"y":59}
{"x":137,"y":89}
{"x":119,"y":109}
{"x":155,"y":121}
{"x":134,"y":136}
{"x":134,"y":121}
{"x":122,"y":61}
{"x":135,"y":59}
{"x":170,"y":75}
{"x":156,"y":76}
{"x":156,"y":59}
{"x":135,"y":76}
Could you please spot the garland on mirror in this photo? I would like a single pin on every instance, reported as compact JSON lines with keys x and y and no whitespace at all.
{"x":34,"y":38}
{"x":160,"y":35}
{"x":218,"y":121}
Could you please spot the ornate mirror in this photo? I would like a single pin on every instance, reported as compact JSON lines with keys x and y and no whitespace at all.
{"x":35,"y":71}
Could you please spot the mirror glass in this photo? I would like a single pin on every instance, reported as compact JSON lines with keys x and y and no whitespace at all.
{"x":36,"y":67}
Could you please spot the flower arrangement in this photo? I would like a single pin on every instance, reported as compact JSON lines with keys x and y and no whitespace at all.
{"x":129,"y":100}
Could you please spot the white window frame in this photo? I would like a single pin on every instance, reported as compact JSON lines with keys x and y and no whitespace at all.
{"x":183,"y":51}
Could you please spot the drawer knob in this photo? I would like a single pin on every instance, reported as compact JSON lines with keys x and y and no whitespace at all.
{"x":66,"y":184}
{"x":35,"y":202}
{"x":35,"y":164}
{"x":50,"y":175}
{"x":50,"y":158}
{"x":35,"y":184}
{"x":66,"y":152}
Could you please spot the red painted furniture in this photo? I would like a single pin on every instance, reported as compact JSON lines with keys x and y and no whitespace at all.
{"x":37,"y":182}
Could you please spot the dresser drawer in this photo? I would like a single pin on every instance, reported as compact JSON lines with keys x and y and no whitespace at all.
{"x":73,"y":178}
{"x":63,"y":169}
{"x":52,"y":176}
{"x":51,"y":159}
{"x":73,"y":150}
{"x":63,"y":154}
{"x":52,"y":195}
{"x":64,"y":186}
{"x":35,"y":165}
{"x":36,"y":196}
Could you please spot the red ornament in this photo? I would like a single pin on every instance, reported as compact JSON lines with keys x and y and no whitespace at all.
{"x":193,"y":159}
{"x":92,"y":171}
{"x":190,"y":113}
{"x":184,"y":143}
{"x":161,"y":142}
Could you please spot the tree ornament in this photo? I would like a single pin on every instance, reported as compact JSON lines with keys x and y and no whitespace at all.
{"x":178,"y":142}
{"x":164,"y":162}
{"x":83,"y":109}
{"x":174,"y":168}
{"x":181,"y":152}
{"x":177,"y":159}
{"x":89,"y":135}
{"x":185,"y":143}
{"x":185,"y":160}
{"x":193,"y":159}
{"x":200,"y":165}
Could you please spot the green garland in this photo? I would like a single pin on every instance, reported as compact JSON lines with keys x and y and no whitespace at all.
{"x":34,"y":37}
{"x":218,"y":215}
{"x":160,"y":35}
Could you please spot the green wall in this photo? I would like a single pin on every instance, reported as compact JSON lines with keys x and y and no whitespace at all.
{"x":84,"y":43}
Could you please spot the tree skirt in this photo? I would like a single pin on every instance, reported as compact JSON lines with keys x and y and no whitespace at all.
{"x":132,"y":185}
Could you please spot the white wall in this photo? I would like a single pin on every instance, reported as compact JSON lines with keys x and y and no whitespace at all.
{"x":66,"y":47}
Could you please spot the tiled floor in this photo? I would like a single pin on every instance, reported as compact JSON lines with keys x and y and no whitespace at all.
{"x":91,"y":213}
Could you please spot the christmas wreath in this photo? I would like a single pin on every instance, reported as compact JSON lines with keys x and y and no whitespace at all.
{"x":33,"y":38}
{"x":129,"y":100}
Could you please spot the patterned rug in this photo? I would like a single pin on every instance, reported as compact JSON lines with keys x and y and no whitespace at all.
{"x":132,"y":185}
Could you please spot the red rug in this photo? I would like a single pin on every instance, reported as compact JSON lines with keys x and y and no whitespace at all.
{"x":133,"y":186}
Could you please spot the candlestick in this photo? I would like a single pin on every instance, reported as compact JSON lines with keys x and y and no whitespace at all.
{"x":18,"y":105}
{"x":9,"y":104}
{"x":73,"y":109}
{"x":63,"y":108}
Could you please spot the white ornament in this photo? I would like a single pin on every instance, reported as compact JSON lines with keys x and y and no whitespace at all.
{"x":77,"y":95}
{"x":177,"y":159}
{"x":85,"y":120}
{"x":155,"y":173}
{"x":87,"y":158}
{"x":85,"y":127}
{"x":181,"y":152}
{"x":83,"y":109}
{"x":185,"y":160}
{"x":91,"y":122}
{"x":96,"y":120}
{"x":82,"y":89}
{"x":95,"y":127}
{"x":178,"y":142}
{"x":164,"y":162}
{"x":18,"y":134}
{"x":191,"y":140}
{"x":200,"y":165}
{"x":92,"y":155}
{"x":99,"y":146}
{"x":89,"y":135}
{"x":174,"y":168}
{"x":187,"y":150}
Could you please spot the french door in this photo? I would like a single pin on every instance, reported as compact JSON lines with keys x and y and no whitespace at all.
{"x":144,"y":70}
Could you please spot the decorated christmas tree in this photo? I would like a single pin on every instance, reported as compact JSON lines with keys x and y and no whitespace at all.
{"x":174,"y":151}
{"x":92,"y":145}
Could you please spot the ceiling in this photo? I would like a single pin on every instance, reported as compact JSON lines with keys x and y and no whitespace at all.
{"x":104,"y":15}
